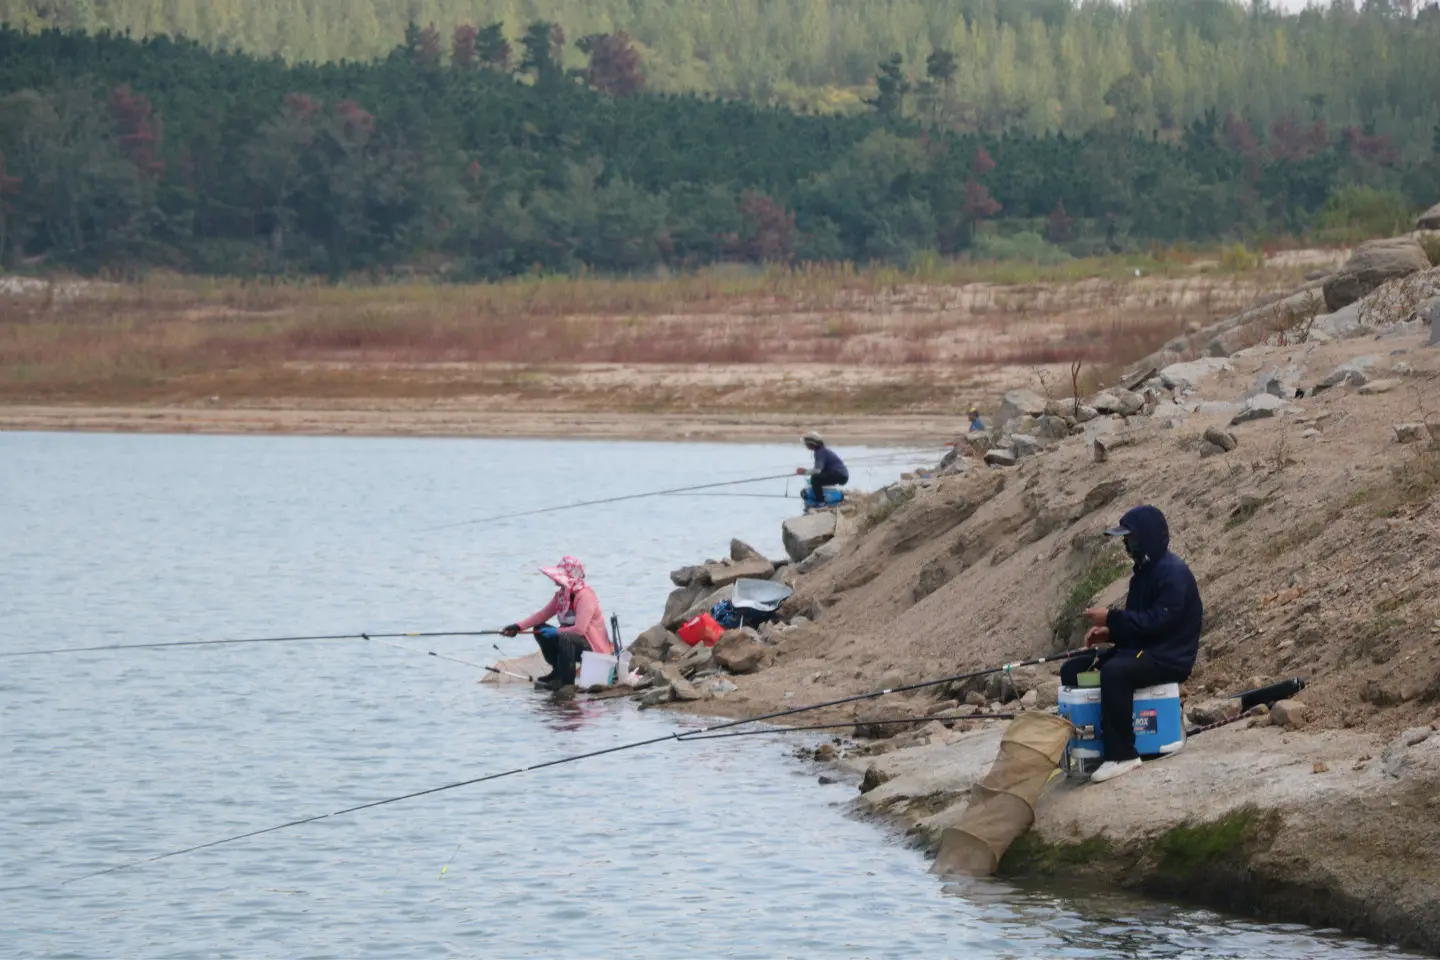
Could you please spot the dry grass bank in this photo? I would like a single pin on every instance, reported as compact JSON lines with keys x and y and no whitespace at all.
{"x":817,"y":338}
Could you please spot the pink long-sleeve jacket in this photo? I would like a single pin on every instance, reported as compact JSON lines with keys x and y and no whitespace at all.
{"x":589,"y":621}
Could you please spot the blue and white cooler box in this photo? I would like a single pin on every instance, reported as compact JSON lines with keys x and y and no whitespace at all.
{"x":832,"y":495}
{"x":1159,"y":729}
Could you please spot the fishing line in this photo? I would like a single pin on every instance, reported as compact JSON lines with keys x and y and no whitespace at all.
{"x":209,"y":643}
{"x":595,"y":503}
{"x":674,"y":736}
{"x":762,"y":496}
{"x":432,"y":653}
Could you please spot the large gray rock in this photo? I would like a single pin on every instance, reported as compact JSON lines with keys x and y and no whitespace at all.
{"x":1277,"y":382}
{"x":1121,"y":401}
{"x":1172,"y":413}
{"x":696,"y":659}
{"x":740,"y":550}
{"x":1017,"y":425}
{"x":1001,"y":458}
{"x":679,"y":603}
{"x":1225,"y":441}
{"x":1429,"y":220}
{"x":727,"y":572}
{"x":1051,"y":428}
{"x":1259,"y":407}
{"x":1020,"y":403}
{"x":1372,"y":264}
{"x":1218,"y":408}
{"x":823,"y":554}
{"x":680,"y":688}
{"x":1288,"y":714}
{"x":1024,"y":445}
{"x":1351,"y":373}
{"x":1213,"y":711}
{"x":1339,"y":325}
{"x":1187,"y":375}
{"x":1410,"y":432}
{"x":972,"y":444}
{"x":739,"y":653}
{"x":804,"y":534}
{"x":653,"y":642}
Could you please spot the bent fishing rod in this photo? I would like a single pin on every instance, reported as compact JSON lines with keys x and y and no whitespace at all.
{"x":675,"y":736}
{"x":210,"y":643}
{"x":596,"y":503}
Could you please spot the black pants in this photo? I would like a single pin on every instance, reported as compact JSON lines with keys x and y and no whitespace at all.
{"x":1121,"y":674}
{"x":563,"y":654}
{"x":826,"y":478}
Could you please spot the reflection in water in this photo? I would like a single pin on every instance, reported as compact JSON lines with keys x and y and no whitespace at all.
{"x":717,"y":848}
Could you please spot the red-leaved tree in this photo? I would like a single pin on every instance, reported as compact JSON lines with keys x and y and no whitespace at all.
{"x":1059,"y":226}
{"x":140,"y":132}
{"x":767,"y":230}
{"x":427,"y":52}
{"x":614,"y":63}
{"x":462,"y":47}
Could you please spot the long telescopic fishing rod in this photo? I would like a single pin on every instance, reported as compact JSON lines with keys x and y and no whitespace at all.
{"x":675,"y":736}
{"x":210,"y":643}
{"x":848,"y":723}
{"x":596,"y":503}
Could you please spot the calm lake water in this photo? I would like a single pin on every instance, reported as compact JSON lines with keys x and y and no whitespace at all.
{"x":727,"y":848}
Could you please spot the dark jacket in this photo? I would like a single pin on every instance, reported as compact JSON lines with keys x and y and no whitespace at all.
{"x":828,"y":461}
{"x":1162,"y":612}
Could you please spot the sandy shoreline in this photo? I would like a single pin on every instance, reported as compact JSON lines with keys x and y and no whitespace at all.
{"x":398,"y":421}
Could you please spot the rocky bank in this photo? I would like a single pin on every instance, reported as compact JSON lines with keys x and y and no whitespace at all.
{"x":1294,"y":450}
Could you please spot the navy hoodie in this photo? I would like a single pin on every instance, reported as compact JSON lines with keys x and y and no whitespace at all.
{"x":1162,"y":612}
{"x":828,"y":461}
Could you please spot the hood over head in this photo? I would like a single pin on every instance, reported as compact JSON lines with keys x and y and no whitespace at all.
{"x":569,"y":575}
{"x":1148,"y":532}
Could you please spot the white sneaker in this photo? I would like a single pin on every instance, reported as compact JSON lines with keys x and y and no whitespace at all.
{"x":1111,"y":769}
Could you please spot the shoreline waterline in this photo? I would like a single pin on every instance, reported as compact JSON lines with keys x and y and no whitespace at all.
{"x":281,"y":420}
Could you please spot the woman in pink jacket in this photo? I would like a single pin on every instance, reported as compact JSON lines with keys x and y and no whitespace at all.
{"x":581,"y":624}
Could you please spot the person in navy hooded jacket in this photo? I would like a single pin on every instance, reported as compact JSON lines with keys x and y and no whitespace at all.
{"x":1155,"y":638}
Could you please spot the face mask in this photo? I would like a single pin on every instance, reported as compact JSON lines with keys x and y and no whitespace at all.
{"x":1133,"y":548}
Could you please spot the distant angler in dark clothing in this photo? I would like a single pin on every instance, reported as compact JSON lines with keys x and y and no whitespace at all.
{"x":829,"y":469}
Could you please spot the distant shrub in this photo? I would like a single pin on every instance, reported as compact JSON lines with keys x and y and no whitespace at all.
{"x":1354,"y":213}
{"x":1026,"y":245}
{"x":1237,"y":258}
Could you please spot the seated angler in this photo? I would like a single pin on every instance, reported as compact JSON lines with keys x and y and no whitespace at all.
{"x":829,"y":470}
{"x":1155,"y":638}
{"x":581,"y":624}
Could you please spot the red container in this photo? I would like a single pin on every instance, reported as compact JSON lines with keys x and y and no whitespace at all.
{"x":702,"y":629}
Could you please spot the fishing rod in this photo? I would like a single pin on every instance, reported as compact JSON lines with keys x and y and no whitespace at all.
{"x":595,"y":503}
{"x":209,"y":643}
{"x":850,"y":723}
{"x":674,"y":736}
